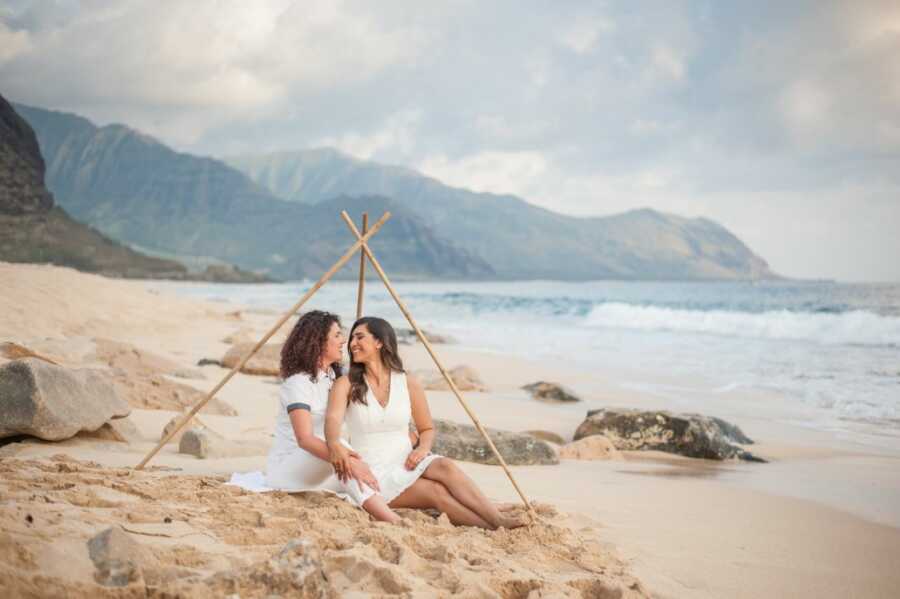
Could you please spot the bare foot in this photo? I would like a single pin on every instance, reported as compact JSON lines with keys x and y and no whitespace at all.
{"x":508,"y":507}
{"x":514,"y":521}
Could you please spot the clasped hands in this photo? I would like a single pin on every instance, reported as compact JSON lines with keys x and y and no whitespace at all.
{"x":348,"y":464}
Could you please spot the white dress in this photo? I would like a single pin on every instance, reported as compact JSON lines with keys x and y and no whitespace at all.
{"x":381,"y":437}
{"x":289,"y":466}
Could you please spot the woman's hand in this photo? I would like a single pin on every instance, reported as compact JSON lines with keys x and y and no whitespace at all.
{"x":341,"y":460}
{"x":361,"y":472}
{"x":414,"y":457}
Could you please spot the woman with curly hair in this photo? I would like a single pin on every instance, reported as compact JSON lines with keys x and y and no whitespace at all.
{"x":378,"y":398}
{"x":299,"y":457}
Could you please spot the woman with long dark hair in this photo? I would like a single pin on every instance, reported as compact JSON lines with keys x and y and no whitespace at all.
{"x":378,"y":398}
{"x":299,"y":458}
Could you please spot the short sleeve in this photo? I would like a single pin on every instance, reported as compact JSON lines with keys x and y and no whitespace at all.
{"x":299,"y":393}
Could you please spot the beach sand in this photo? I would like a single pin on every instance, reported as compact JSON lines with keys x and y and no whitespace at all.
{"x":822,"y":519}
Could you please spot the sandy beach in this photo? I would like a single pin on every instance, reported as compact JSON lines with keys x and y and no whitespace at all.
{"x":820,"y":519}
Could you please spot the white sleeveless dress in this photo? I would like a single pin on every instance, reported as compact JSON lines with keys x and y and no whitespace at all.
{"x":381,"y":437}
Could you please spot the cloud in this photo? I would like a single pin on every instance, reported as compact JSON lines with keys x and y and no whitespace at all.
{"x":397,"y":134}
{"x":581,"y":36}
{"x":495,"y":172}
{"x":12,"y":43}
{"x":752,"y":115}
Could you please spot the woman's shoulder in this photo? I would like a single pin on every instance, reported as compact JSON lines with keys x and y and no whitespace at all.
{"x":411,"y":379}
{"x":300,"y":380}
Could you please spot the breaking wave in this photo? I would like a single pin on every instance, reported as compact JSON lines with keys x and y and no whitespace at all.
{"x":856,"y":327}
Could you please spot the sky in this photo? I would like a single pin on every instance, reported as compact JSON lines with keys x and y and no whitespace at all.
{"x":780,"y":120}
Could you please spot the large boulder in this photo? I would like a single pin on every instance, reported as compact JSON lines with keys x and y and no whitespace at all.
{"x":464,"y":377}
{"x":551,"y":392}
{"x":464,"y":442}
{"x":266,"y":362}
{"x":53,"y":403}
{"x":691,"y":435}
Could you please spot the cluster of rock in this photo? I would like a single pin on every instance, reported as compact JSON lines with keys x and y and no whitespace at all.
{"x":601,"y":436}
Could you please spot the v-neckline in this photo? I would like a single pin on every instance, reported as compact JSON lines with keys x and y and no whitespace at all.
{"x":389,"y":390}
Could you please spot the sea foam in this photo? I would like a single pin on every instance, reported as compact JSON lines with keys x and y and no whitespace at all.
{"x":855,"y":327}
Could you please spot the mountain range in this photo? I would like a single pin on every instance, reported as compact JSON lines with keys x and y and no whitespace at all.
{"x":278,"y":213}
{"x":34,"y":229}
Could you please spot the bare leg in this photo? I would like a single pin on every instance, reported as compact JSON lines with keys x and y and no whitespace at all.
{"x":425,"y":493}
{"x":464,"y":489}
{"x":378,"y":509}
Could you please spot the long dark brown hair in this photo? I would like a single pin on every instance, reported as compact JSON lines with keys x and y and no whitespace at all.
{"x":390,"y":357}
{"x":303,"y":348}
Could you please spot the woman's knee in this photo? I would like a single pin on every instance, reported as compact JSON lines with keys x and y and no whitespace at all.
{"x":443,"y":467}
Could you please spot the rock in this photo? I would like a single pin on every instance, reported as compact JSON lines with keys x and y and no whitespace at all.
{"x":547,"y":436}
{"x":464,"y":377}
{"x":208,"y":362}
{"x":119,"y":560}
{"x":192,"y":423}
{"x":554,"y":392}
{"x":14,"y":351}
{"x":195,"y":442}
{"x":595,"y":447}
{"x":266,"y":362}
{"x":121,"y":430}
{"x":242,"y":335}
{"x":53,"y":403}
{"x":691,"y":435}
{"x":408,"y":337}
{"x":296,"y":571}
{"x":464,"y":442}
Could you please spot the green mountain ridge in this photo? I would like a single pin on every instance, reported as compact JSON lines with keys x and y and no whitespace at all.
{"x":278,"y":214}
{"x":34,"y":230}
{"x":518,"y":239}
{"x":136,"y":189}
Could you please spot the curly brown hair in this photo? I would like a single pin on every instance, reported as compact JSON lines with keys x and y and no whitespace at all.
{"x":390,"y":357}
{"x":303,"y":348}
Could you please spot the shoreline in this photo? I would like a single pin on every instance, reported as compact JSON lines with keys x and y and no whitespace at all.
{"x":821,"y":519}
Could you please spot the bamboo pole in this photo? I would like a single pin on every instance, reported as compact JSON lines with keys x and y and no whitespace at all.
{"x":362,"y":271}
{"x":412,"y":322}
{"x":337,"y":265}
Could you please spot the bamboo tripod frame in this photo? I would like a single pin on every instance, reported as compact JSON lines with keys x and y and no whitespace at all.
{"x":363,"y":247}
{"x":409,"y":317}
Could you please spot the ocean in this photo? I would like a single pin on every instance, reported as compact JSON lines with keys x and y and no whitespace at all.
{"x":832,"y":348}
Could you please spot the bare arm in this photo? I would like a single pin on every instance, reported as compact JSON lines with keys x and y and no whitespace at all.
{"x":338,"y":454}
{"x":301,"y":422}
{"x":421,"y":416}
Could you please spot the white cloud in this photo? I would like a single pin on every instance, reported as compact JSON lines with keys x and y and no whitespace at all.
{"x":669,"y":61}
{"x":397,"y":135}
{"x":683,"y":108}
{"x":581,"y":36}
{"x":494,"y":172}
{"x":12,"y":43}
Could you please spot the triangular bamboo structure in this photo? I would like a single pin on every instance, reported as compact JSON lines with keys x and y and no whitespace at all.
{"x":362,"y":246}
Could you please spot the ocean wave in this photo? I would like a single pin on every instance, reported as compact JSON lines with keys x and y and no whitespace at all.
{"x":856,"y":327}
